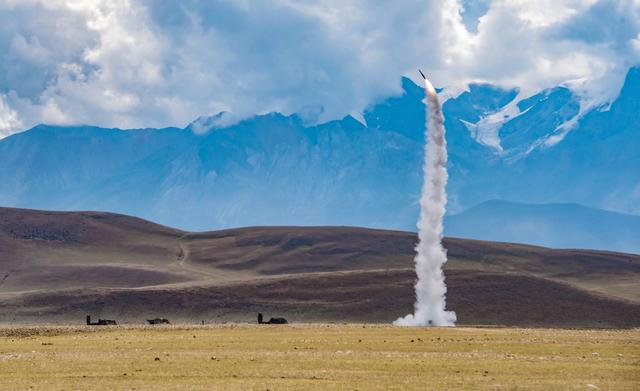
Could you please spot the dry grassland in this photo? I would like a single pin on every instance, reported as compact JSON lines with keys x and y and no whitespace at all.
{"x":351,"y":357}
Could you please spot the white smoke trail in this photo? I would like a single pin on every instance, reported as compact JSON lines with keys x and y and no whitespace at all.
{"x":430,"y":255}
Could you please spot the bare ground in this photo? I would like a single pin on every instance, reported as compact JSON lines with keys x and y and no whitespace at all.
{"x":60,"y":266}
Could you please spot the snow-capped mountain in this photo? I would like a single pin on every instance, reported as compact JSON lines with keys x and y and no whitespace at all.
{"x":273,"y":169}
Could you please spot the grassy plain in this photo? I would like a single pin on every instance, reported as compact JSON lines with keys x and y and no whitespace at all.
{"x":349,"y":357}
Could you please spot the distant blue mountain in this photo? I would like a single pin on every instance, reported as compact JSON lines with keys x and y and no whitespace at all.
{"x":550,"y":225}
{"x":273,"y":169}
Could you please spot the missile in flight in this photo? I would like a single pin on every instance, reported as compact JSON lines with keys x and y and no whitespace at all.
{"x":422,"y":74}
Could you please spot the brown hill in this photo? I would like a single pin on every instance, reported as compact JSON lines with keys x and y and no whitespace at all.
{"x":59,"y":266}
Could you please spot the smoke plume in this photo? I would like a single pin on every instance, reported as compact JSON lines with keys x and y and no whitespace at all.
{"x":430,"y":255}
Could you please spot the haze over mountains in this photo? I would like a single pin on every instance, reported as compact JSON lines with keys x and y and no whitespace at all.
{"x":550,"y":225}
{"x":277,"y":170}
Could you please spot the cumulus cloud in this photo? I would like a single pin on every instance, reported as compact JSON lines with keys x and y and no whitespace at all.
{"x":139,"y":63}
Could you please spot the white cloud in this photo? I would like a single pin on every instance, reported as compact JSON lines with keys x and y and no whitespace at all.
{"x":544,"y":13}
{"x":138,"y":63}
{"x":9,"y":121}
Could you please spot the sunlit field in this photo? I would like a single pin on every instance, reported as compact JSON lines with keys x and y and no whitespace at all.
{"x":354,"y":357}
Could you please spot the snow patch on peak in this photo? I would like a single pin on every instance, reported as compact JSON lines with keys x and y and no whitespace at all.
{"x":204,"y":124}
{"x":487,"y":130}
{"x":451,"y":92}
{"x":596,"y":93}
{"x":588,"y":101}
{"x":358,"y":117}
{"x":561,"y":131}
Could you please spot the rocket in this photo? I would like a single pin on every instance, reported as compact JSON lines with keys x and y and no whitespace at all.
{"x":427,"y":84}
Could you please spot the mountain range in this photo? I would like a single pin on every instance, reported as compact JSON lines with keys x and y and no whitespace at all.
{"x":275,"y":169}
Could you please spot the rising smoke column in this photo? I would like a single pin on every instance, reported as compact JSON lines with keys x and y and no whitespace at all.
{"x":430,"y":255}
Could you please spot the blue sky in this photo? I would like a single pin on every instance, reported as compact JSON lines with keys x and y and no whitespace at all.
{"x":142,"y":63}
